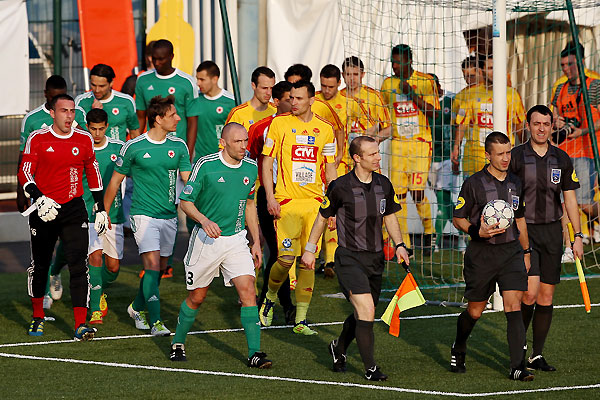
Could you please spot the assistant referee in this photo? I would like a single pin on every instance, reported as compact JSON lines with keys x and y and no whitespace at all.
{"x":546,"y":171}
{"x":362,"y":200}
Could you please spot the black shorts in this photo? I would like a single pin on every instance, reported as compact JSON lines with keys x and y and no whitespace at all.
{"x":359,"y":272}
{"x":487,"y":264}
{"x":546,"y":240}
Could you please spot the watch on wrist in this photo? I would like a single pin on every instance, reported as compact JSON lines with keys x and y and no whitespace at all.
{"x":579,"y":235}
{"x":527,"y":250}
{"x":401,"y":245}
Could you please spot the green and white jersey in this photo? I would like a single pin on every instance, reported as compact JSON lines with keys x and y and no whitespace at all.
{"x":40,"y":118}
{"x":220,"y":190}
{"x":107,"y":157}
{"x":212,"y":113}
{"x":153,"y":167}
{"x":120,"y":109}
{"x":179,"y":84}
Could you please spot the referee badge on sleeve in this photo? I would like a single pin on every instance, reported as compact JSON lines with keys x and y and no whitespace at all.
{"x":555,"y":176}
{"x":382,"y":206}
{"x":515,"y":202}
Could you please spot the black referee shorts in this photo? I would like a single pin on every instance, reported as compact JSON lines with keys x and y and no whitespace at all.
{"x":487,"y":264}
{"x":546,"y":242}
{"x":359,"y":272}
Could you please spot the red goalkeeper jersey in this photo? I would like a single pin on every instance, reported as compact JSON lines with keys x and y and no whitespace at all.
{"x":256,"y":141}
{"x":55,"y":163}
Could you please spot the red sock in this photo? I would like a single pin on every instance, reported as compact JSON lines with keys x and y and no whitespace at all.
{"x":38,"y":307}
{"x":80,"y":314}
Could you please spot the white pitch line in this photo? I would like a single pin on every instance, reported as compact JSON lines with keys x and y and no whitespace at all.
{"x":295,"y":380}
{"x":263,"y":328}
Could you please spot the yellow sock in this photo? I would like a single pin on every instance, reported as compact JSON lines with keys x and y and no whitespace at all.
{"x":330,"y":239}
{"x":424,"y":210}
{"x":301,"y":311}
{"x":584,"y":223}
{"x":305,"y":285}
{"x":292,"y":273}
{"x":403,"y":221}
{"x":278,"y":274}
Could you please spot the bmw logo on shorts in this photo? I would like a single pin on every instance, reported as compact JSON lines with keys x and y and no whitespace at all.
{"x":287,"y":243}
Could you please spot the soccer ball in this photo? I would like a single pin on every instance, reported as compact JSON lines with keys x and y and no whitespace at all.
{"x":498,"y":211}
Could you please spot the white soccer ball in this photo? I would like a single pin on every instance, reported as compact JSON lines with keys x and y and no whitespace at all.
{"x":498,"y":212}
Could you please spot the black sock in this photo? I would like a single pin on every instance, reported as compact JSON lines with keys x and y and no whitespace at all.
{"x":515,"y":334}
{"x":464,"y":326}
{"x":542,"y":318}
{"x":347,"y":335}
{"x":365,"y":339}
{"x":527,"y":311}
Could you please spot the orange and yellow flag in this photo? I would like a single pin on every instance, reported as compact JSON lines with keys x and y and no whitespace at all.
{"x":407,"y":296}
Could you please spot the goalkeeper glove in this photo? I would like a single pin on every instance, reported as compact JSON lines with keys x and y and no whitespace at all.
{"x":47,"y":208}
{"x":102,"y":221}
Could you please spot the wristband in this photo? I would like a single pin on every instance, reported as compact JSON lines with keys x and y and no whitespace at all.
{"x":474,"y":233}
{"x":527,"y":250}
{"x":310,"y":247}
{"x":579,"y":235}
{"x":401,"y":245}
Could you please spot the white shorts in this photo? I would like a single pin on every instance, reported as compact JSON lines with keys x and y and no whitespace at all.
{"x":207,"y":256}
{"x":111,"y":243}
{"x":153,"y":234}
{"x":441,"y":176}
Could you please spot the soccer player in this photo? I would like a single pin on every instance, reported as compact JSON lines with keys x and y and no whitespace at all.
{"x":571,"y":117}
{"x":152,"y":160}
{"x":475,"y":121}
{"x":110,"y":244}
{"x":441,"y":177}
{"x":298,"y":72}
{"x":546,"y":172}
{"x":212,"y":107}
{"x":165,"y":80}
{"x":412,"y":97}
{"x":494,"y":255}
{"x":258,"y":107}
{"x":119,"y":106}
{"x":54,"y":160}
{"x":304,"y":145}
{"x":256,"y":141}
{"x":472,"y":70}
{"x":219,"y":197}
{"x":359,"y":257}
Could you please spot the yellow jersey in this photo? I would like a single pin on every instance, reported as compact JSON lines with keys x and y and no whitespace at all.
{"x":477,"y":112}
{"x":370,"y":110}
{"x":410,"y":122}
{"x":324,"y":110}
{"x":246,"y":115}
{"x":302,"y":149}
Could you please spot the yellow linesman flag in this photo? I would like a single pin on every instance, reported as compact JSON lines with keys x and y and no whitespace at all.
{"x":407,"y":296}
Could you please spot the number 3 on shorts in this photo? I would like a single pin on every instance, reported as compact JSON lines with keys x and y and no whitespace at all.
{"x":190,"y":278}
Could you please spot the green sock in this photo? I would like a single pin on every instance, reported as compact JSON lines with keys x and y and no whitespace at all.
{"x":107,"y":276}
{"x":151,"y":295}
{"x":139,"y":303}
{"x":251,"y":324}
{"x":59,"y":260}
{"x":96,"y":284}
{"x":444,"y":213}
{"x":186,"y":319}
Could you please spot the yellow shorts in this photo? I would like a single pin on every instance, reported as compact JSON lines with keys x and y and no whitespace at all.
{"x":410,"y":164}
{"x":293,"y":228}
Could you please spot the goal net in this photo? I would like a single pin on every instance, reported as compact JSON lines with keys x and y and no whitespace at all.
{"x":441,"y":35}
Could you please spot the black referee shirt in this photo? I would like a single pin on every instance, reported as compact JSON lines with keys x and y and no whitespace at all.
{"x":543,"y":180}
{"x":359,"y":209}
{"x":482,"y":187}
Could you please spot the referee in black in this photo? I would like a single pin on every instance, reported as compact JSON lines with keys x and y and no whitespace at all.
{"x":546,"y":171}
{"x":493,"y":255}
{"x":362,"y":200}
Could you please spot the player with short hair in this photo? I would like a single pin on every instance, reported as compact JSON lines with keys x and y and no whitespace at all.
{"x":54,"y":160}
{"x":212,"y":107}
{"x":298,"y":72}
{"x":219,"y":197}
{"x":152,"y":160}
{"x":110,"y":245}
{"x":494,"y":255}
{"x":359,"y":258}
{"x":120,"y":107}
{"x":165,"y":80}
{"x":411,"y":97}
{"x":258,"y":107}
{"x":547,"y":173}
{"x":303,"y":144}
{"x":475,"y":121}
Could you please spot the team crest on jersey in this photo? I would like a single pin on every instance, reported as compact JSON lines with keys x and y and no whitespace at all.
{"x":338,"y":106}
{"x":113,"y":157}
{"x":171,"y":153}
{"x":171,"y":90}
{"x":293,"y":131}
{"x":188,"y":189}
{"x":382,"y":203}
{"x":219,"y":110}
{"x":75,"y":151}
{"x":119,"y":162}
{"x":555,"y":176}
{"x":446,"y":110}
{"x":287,"y":243}
{"x":515,"y":202}
{"x":316,"y":130}
{"x":246,"y":180}
{"x":115,"y":111}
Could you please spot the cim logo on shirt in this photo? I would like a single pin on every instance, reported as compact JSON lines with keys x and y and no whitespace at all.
{"x":405,"y":109}
{"x":304,"y":153}
{"x":485,"y":120}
